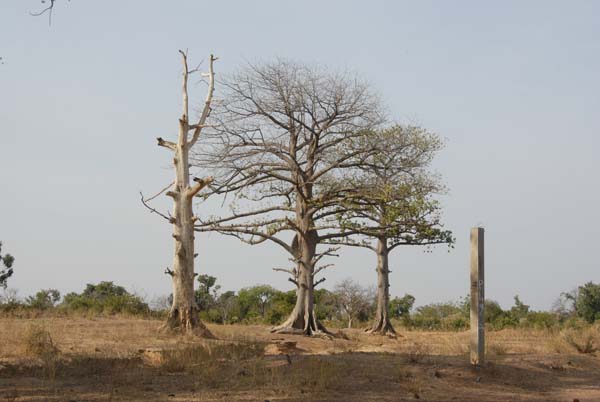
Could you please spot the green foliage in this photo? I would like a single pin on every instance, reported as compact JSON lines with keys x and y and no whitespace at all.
{"x":520,"y":310}
{"x":105,"y":297}
{"x":400,"y":307}
{"x":281,"y":306}
{"x":519,"y":315}
{"x":103,"y":290}
{"x":205,"y":297}
{"x":326,"y":304}
{"x":394,"y":191}
{"x":456,"y":316}
{"x":256,"y":301}
{"x":6,"y":272}
{"x":587,"y":302}
{"x":263,"y":304}
{"x":440,"y":316}
{"x":44,"y":299}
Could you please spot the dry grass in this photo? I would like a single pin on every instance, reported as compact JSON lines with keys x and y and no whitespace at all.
{"x":38,"y":344}
{"x":242,"y":366}
{"x":417,"y":351}
{"x":128,"y":359}
{"x":585,"y":340}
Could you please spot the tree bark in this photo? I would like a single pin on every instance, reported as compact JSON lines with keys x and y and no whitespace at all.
{"x":303,"y":319}
{"x":382,"y":324}
{"x":184,"y":311}
{"x":183,"y":316}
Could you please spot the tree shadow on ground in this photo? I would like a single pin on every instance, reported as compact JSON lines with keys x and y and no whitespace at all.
{"x":352,"y":377}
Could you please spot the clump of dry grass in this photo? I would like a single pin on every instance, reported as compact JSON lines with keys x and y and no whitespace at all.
{"x":414,"y":386}
{"x":410,"y":381}
{"x":315,"y":373}
{"x":206,"y":354}
{"x":243,"y":366}
{"x":416,"y":352}
{"x":39,"y":344}
{"x":453,"y":345}
{"x":583,"y":340}
{"x":496,"y":348}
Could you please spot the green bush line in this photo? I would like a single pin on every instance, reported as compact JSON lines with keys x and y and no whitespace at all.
{"x":265,"y":305}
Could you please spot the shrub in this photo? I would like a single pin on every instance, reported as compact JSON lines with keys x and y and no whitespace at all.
{"x":400,"y":307}
{"x":444,"y":316}
{"x":44,"y":299}
{"x":107,"y":298}
{"x":584,"y":341}
{"x":587,"y":302}
{"x":39,"y":344}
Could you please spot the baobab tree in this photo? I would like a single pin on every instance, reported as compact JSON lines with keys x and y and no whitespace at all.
{"x":282,"y":131}
{"x":183,"y":315}
{"x":393,"y":203}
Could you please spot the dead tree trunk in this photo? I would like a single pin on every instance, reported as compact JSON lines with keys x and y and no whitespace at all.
{"x":382,"y":324}
{"x":183,"y":316}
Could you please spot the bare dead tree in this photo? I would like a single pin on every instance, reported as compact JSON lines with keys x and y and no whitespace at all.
{"x":353,"y":299}
{"x":183,"y":315}
{"x":279,"y":125}
{"x":393,"y":204}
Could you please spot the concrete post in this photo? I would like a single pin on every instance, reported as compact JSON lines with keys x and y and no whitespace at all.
{"x":477,"y":343}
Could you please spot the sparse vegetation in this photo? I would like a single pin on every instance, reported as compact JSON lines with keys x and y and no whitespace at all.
{"x":585,"y":340}
{"x":245,"y":363}
{"x":309,"y":158}
{"x":6,"y":272}
{"x":39,"y":344}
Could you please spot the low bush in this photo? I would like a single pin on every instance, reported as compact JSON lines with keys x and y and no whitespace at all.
{"x":105,"y":298}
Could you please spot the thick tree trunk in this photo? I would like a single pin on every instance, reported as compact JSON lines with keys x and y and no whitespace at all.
{"x":303,"y":320}
{"x":382,"y":324}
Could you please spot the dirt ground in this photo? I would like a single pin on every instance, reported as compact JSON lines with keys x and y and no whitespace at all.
{"x":125,"y":359}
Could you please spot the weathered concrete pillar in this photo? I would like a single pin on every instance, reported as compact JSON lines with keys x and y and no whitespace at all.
{"x":477,"y":298}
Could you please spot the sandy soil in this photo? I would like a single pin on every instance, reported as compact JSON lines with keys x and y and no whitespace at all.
{"x":124,"y":359}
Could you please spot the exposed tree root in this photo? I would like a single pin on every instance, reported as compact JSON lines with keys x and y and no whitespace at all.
{"x":187,"y":323}
{"x":382,"y":327}
{"x":306,"y":324}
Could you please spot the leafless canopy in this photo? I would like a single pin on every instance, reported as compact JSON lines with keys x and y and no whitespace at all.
{"x":286,"y":132}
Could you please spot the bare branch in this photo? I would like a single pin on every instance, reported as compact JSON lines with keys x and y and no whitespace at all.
{"x":318,"y":282}
{"x":200,"y":184}
{"x":237,"y":231}
{"x":321,"y":268}
{"x":45,"y":10}
{"x":184,"y":90}
{"x":166,"y":144}
{"x":160,"y":192}
{"x":289,"y":271}
{"x":207,"y":103}
{"x":152,"y":210}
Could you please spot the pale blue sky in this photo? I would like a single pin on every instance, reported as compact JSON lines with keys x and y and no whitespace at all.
{"x":513,"y":86}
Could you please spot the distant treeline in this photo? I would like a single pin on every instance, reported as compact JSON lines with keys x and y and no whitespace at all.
{"x":348,"y":304}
